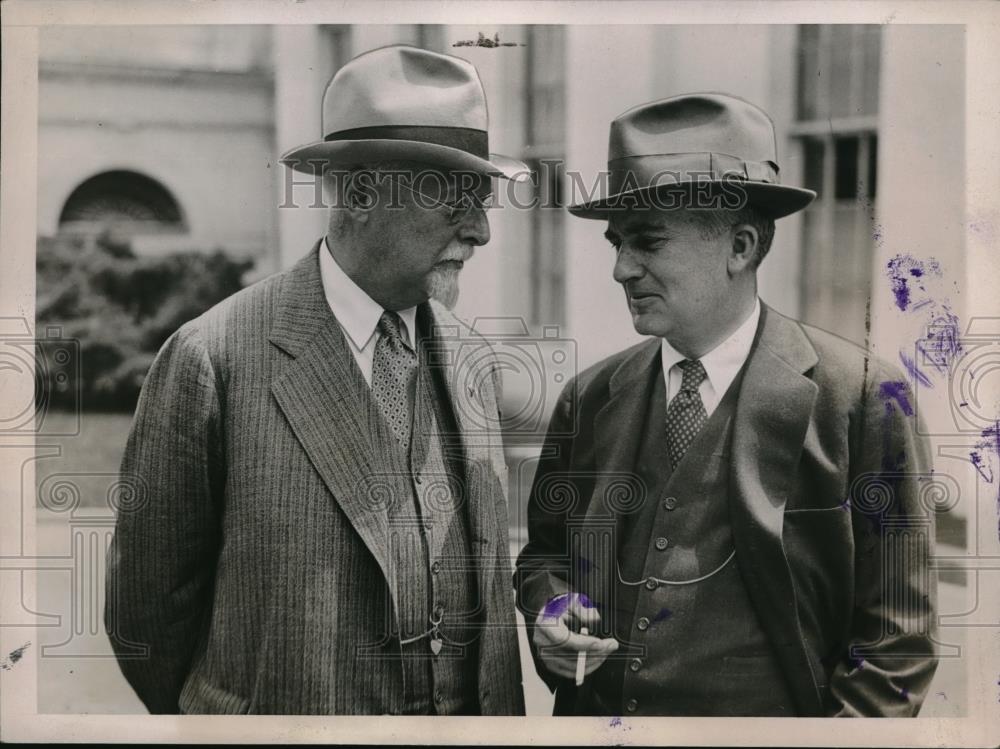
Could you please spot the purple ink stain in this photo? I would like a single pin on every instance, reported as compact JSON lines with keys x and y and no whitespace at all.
{"x":983,"y":463}
{"x":904,"y":692}
{"x":982,"y":228}
{"x":901,"y":292}
{"x":615,"y":722}
{"x":914,"y":371}
{"x":857,"y":664}
{"x":901,"y":270}
{"x":898,"y":281}
{"x":991,"y":445}
{"x":992,"y":433}
{"x":558,"y":606}
{"x":662,"y":615}
{"x":891,"y":390}
{"x":981,"y":467}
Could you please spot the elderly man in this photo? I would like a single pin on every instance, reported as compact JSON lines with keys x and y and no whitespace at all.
{"x":730,"y":508}
{"x":324,"y":528}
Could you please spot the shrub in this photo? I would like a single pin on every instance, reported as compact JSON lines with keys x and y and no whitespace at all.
{"x":121,"y":308}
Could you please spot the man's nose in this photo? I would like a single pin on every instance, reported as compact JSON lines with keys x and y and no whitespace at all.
{"x":474,"y":228}
{"x":627,"y":268}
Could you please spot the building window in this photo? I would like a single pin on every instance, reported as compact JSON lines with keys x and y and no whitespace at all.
{"x":545,"y":145}
{"x":836,"y":126}
{"x":126,"y":203}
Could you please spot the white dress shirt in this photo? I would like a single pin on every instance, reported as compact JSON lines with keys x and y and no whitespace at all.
{"x":722,"y":363}
{"x":357,"y":313}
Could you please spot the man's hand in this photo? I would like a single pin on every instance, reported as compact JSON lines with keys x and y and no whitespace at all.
{"x":558,"y":640}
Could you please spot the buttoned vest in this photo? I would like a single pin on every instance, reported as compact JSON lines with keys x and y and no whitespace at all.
{"x":686,"y":649}
{"x":433,"y":571}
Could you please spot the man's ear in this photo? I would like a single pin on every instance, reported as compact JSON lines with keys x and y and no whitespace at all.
{"x":360,"y":194}
{"x":743,"y":253}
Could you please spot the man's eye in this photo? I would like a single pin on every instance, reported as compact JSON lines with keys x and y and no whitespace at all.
{"x":649,"y":243}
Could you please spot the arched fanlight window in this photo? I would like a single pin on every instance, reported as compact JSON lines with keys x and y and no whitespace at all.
{"x":125,"y":202}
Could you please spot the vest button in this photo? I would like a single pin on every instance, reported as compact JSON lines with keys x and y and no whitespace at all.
{"x":661,"y":544}
{"x":642,"y":624}
{"x":651,"y":584}
{"x":670,"y":503}
{"x":635,"y":664}
{"x":435,"y":568}
{"x":632,"y":706}
{"x":416,"y":477}
{"x":438,"y":611}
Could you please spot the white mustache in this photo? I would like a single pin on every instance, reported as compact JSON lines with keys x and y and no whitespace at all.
{"x":464,"y":253}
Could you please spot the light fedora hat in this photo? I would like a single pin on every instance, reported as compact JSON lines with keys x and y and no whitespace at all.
{"x":405,"y":103}
{"x":689,"y":140}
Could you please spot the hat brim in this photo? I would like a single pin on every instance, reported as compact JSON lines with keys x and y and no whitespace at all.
{"x":775,"y":201}
{"x":327,"y":154}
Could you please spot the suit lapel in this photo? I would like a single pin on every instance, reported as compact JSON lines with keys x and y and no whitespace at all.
{"x":320,"y":396}
{"x":462,"y":358}
{"x":618,"y":429}
{"x":772,"y":416}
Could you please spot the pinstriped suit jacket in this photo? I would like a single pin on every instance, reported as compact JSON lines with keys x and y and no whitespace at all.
{"x":253,"y":568}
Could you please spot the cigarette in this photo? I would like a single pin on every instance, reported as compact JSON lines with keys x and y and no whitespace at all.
{"x":581,"y":660}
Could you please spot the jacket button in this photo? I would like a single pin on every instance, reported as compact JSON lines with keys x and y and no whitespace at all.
{"x":669,"y":503}
{"x":642,"y":624}
{"x":436,"y":568}
{"x":631,"y":706}
{"x":651,"y":583}
{"x":661,"y":544}
{"x":635,"y":664}
{"x":416,"y":477}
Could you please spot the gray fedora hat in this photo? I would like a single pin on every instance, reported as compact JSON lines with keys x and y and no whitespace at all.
{"x":700,"y":139}
{"x":405,"y":103}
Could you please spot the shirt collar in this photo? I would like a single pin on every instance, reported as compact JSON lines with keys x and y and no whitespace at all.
{"x":357,"y":313}
{"x":724,"y":361}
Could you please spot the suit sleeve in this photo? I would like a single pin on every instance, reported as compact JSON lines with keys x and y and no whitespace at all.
{"x":887,"y":666}
{"x":161,"y":563}
{"x":541,"y":572}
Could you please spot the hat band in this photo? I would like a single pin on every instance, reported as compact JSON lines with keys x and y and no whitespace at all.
{"x":470,"y":140}
{"x":663,"y":169}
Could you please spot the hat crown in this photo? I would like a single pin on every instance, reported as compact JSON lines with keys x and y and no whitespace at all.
{"x":682,"y":144}
{"x":694,"y":123}
{"x":404,"y":86}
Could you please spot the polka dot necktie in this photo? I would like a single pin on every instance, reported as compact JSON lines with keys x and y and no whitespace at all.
{"x":394,"y":371}
{"x":686,"y":413}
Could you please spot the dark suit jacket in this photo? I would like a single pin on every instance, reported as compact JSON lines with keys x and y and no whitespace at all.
{"x":825,"y":481}
{"x":255,"y":567}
